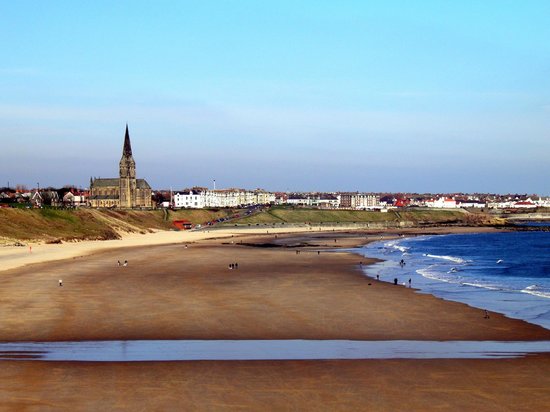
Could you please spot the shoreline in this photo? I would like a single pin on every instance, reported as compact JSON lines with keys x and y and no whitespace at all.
{"x":288,"y":291}
{"x":490,"y":299}
{"x":294,"y":289}
{"x":346,"y":241}
{"x":13,"y":257}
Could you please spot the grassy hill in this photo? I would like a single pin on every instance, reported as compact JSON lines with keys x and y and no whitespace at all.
{"x":287,"y":215}
{"x":52,"y":225}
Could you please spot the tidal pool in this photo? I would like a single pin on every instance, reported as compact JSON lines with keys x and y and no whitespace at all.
{"x":192,"y":350}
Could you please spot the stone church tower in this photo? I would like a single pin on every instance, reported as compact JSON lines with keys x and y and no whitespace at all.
{"x":128,"y":183}
{"x":126,"y":191}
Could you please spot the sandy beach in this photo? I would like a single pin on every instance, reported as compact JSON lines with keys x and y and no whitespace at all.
{"x":182,"y":288}
{"x":374,"y":385}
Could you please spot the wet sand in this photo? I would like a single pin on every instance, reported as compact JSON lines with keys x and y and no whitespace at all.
{"x":387,"y":385}
{"x":173,"y":292}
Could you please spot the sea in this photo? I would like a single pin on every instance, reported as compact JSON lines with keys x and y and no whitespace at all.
{"x":506,"y":272}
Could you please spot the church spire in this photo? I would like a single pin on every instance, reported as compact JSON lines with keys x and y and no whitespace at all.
{"x":127,"y":151}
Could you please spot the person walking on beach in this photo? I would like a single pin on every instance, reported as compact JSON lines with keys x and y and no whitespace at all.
{"x":119,"y":263}
{"x":60,"y":282}
{"x":410,"y":281}
{"x":486,"y":314}
{"x":125,"y":263}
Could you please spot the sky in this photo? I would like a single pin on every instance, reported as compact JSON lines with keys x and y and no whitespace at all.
{"x":387,"y":96}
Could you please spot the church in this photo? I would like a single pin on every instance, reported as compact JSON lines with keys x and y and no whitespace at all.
{"x":125,"y":192}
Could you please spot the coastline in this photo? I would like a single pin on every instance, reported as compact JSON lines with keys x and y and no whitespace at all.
{"x":12,"y":257}
{"x":275,"y":294}
{"x":283,"y":289}
{"x":492,"y":296}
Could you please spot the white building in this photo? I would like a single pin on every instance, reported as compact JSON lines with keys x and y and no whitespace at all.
{"x":222,"y":198}
{"x":471,"y":204}
{"x":543,"y":202}
{"x":442,"y":203}
{"x":189,"y":199}
{"x":72,"y":200}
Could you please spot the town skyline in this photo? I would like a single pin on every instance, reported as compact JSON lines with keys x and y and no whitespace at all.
{"x":425,"y":98}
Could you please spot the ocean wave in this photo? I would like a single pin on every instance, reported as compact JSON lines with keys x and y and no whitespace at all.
{"x":455,"y":278}
{"x":483,"y":285}
{"x":450,"y":258}
{"x":435,"y":275}
{"x":396,"y":246}
{"x":536,"y":290}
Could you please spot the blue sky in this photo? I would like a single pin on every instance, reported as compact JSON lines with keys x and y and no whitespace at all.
{"x":426,"y":96}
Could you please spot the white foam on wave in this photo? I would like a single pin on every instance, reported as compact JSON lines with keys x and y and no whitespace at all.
{"x":450,"y":258}
{"x":435,"y":275}
{"x":453,"y":277}
{"x":536,"y":290}
{"x":394,"y":244}
{"x":482,"y":285}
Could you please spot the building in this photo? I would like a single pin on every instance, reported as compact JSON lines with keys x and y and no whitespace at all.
{"x":126,"y":191}
{"x":442,"y":203}
{"x":198,"y":198}
{"x":75,"y":199}
{"x":189,"y":199}
{"x":358,"y":201}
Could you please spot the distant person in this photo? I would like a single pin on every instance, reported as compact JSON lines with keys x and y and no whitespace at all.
{"x":486,"y":314}
{"x":236,"y":265}
{"x":395,"y":281}
{"x":118,"y":263}
{"x":410,"y":281}
{"x":377,"y":277}
{"x":60,"y":282}
{"x":125,"y":263}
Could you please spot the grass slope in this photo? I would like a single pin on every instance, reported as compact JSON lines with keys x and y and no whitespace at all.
{"x":278,"y":215}
{"x":52,"y":225}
